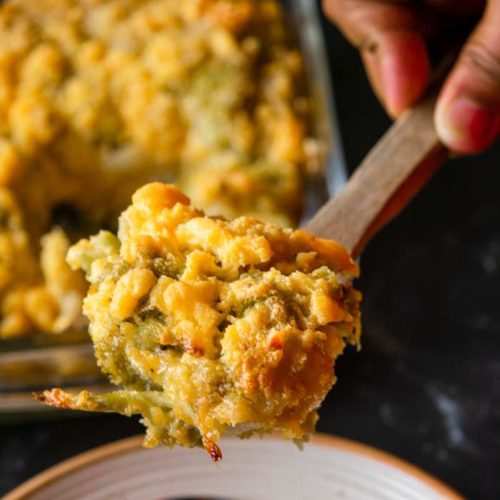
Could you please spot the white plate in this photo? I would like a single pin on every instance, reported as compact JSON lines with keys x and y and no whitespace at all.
{"x":257,"y":469}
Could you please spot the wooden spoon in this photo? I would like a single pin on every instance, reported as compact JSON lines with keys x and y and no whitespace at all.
{"x":392,"y":173}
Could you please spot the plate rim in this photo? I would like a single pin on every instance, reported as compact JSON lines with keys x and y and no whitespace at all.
{"x":103,"y":452}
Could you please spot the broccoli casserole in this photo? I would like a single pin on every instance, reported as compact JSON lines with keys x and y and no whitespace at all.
{"x":212,"y":326}
{"x":98,"y":97}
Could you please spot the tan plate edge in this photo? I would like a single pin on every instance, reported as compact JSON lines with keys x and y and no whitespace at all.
{"x":23,"y":491}
{"x":83,"y":459}
{"x":382,"y":456}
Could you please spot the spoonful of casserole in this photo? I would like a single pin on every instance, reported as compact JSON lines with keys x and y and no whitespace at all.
{"x":210,"y":326}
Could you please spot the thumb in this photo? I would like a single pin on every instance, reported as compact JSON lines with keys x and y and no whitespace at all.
{"x":468,"y":111}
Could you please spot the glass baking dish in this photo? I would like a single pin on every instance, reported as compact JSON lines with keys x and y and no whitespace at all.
{"x":35,"y":364}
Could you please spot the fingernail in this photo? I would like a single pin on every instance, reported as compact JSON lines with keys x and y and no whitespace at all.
{"x":404,"y":69}
{"x":466,"y":125}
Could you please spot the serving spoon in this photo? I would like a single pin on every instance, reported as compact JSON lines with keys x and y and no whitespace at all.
{"x":392,"y":173}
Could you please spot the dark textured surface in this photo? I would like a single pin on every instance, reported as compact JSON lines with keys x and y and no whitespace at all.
{"x":426,"y":385}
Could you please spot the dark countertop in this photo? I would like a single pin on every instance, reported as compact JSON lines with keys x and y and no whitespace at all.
{"x":426,"y":385}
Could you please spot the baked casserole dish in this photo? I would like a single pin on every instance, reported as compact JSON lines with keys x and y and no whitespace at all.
{"x":98,"y":97}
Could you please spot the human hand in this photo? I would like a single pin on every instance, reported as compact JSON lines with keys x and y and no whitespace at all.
{"x":392,"y":36}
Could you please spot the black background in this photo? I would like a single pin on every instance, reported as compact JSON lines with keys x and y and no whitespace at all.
{"x":426,"y":385}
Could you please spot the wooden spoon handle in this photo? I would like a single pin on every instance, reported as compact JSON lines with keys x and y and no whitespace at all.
{"x":394,"y":171}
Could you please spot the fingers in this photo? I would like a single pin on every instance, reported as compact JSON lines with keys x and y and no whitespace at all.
{"x":391,"y":39}
{"x":468,"y":111}
{"x":401,"y":66}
